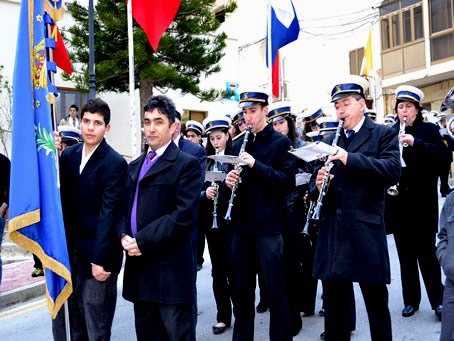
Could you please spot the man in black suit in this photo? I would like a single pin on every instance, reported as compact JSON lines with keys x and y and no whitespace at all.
{"x":352,"y":239}
{"x":162,"y":189}
{"x":92,"y":192}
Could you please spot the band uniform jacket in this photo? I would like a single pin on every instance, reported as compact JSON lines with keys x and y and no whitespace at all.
{"x":91,"y":203}
{"x":418,"y":183}
{"x":352,"y":239}
{"x":166,"y":213}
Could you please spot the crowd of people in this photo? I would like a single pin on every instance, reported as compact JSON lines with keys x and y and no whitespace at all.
{"x":263,"y":212}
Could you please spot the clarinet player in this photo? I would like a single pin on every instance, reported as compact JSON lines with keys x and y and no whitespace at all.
{"x":352,"y":239}
{"x":257,"y":218}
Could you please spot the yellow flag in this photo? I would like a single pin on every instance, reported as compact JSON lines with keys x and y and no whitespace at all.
{"x":366,"y":66}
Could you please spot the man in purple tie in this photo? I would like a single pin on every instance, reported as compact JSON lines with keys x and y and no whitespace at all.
{"x":162,"y":190}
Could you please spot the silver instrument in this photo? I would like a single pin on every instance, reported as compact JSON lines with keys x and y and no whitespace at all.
{"x":329,"y":165}
{"x":214,"y":184}
{"x":393,"y":191}
{"x":237,"y":168}
{"x":450,"y":127}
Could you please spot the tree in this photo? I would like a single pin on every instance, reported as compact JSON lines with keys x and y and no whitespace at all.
{"x":189,"y":49}
{"x":5,"y":111}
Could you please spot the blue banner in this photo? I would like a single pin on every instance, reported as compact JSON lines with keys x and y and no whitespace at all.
{"x":36,"y":220}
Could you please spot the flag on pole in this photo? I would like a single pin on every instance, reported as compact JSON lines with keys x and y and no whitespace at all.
{"x":275,"y":77}
{"x":36,"y":220}
{"x":61,"y":56}
{"x":366,"y":65}
{"x":154,"y":16}
{"x":283,"y":27}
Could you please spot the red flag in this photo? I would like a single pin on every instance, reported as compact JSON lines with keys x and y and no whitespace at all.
{"x":154,"y":16}
{"x":61,"y":57}
{"x":276,"y":88}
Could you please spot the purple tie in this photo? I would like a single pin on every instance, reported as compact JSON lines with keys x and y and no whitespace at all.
{"x":149,"y":161}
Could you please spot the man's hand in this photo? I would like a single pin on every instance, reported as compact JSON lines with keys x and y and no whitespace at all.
{"x":406,"y":139}
{"x":232,"y":177}
{"x":248,"y":158}
{"x":341,"y":154}
{"x":58,"y":144}
{"x":99,"y":273}
{"x":130,"y":245}
{"x":321,"y":175}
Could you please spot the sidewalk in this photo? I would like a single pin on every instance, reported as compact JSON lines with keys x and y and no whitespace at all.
{"x":18,"y":285}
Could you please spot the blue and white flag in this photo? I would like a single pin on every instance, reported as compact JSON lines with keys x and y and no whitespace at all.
{"x":36,"y":220}
{"x":283,"y":27}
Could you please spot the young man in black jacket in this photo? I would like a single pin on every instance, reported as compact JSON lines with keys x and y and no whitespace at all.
{"x":258,"y":218}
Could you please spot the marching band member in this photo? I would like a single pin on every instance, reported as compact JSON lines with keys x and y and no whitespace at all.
{"x":194,"y":132}
{"x":211,"y":218}
{"x":238,"y":124}
{"x":352,"y":240}
{"x":310,"y":117}
{"x":257,"y":217}
{"x":415,"y":221}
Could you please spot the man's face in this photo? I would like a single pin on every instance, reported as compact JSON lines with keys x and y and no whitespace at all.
{"x":193,"y":137}
{"x":157,"y":129}
{"x":255,"y":116}
{"x":93,"y":128}
{"x":351,"y":110}
{"x":72,"y":112}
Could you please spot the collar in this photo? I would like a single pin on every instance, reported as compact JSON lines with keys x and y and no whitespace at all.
{"x":358,"y":126}
{"x":160,"y":150}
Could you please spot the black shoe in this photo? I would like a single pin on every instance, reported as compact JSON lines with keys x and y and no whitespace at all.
{"x":322,"y":312}
{"x":322,"y":336}
{"x":219,"y":328}
{"x":261,"y":307}
{"x":409,"y":310}
{"x":438,"y":310}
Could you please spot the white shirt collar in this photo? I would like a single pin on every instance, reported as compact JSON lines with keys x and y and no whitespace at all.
{"x":160,"y":150}
{"x":84,"y":159}
{"x":357,"y":127}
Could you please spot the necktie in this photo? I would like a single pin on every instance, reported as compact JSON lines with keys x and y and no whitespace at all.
{"x":350,"y":133}
{"x":74,"y":122}
{"x":148,"y":162}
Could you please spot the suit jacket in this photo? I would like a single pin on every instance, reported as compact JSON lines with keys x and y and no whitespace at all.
{"x":352,"y":240}
{"x":91,"y":204}
{"x":166,"y":213}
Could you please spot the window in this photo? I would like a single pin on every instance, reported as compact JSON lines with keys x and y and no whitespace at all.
{"x":356,"y":60}
{"x":67,"y":97}
{"x":441,"y":29}
{"x":401,"y":23}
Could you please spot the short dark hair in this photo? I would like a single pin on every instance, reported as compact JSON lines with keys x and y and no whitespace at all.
{"x":163,"y":104}
{"x":97,"y":105}
{"x":74,"y":106}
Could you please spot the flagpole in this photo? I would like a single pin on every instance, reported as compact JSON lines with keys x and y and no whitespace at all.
{"x":269,"y":52}
{"x":132,"y":102}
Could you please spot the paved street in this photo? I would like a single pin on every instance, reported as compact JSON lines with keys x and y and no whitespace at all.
{"x":30,"y":321}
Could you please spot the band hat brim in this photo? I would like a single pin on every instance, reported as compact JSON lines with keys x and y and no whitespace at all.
{"x":216,"y":128}
{"x":250,"y":104}
{"x":341,"y":95}
{"x":278,"y":118}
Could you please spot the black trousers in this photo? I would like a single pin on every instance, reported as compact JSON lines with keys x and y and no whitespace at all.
{"x":418,"y":248}
{"x":268,"y":249}
{"x":337,"y":300}
{"x":220,"y":248}
{"x":161,"y":322}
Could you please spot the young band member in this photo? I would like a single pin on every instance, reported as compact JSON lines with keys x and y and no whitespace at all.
{"x":257,"y":217}
{"x":194,"y":131}
{"x":211,"y":219}
{"x":352,"y":239}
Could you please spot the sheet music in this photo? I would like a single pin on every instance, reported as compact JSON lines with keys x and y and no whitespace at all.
{"x":313,"y":151}
{"x":302,"y":178}
{"x":217,"y":176}
{"x":227,"y":159}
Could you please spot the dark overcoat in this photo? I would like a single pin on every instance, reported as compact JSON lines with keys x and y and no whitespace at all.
{"x":166,"y":213}
{"x":352,"y":239}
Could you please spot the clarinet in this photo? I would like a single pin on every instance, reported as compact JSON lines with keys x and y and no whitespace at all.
{"x":214,"y":225}
{"x":237,"y":168}
{"x":329,"y":165}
